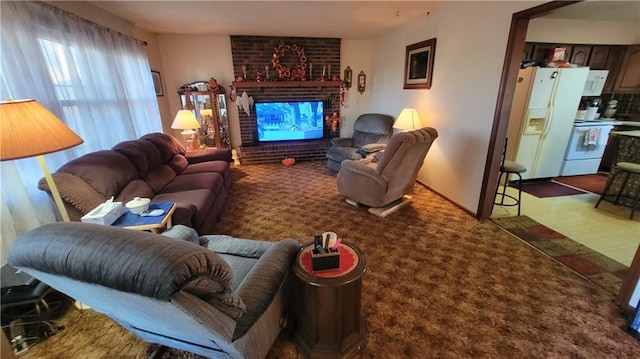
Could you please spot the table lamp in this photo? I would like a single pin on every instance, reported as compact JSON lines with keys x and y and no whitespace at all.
{"x":28,"y":129}
{"x":408,"y":120}
{"x":185,"y":120}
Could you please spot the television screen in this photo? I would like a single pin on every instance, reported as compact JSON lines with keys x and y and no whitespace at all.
{"x":291,"y":120}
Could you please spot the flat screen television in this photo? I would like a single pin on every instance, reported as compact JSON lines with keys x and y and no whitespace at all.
{"x":290,"y":120}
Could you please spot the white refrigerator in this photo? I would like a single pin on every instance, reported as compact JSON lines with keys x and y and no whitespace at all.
{"x":541,"y":119}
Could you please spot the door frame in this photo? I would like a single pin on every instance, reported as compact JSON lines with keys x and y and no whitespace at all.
{"x":510,"y":68}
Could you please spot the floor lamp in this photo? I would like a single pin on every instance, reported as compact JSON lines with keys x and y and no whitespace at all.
{"x":28,"y":129}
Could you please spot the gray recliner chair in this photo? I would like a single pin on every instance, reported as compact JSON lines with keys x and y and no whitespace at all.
{"x":215,"y":296}
{"x":383,"y":181}
{"x":371,"y":132}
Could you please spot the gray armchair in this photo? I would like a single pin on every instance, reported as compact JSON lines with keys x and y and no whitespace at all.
{"x":384,"y":181}
{"x":216,"y":296}
{"x":371,"y":132}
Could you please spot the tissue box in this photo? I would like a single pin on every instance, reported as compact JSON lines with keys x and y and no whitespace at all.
{"x":106,"y":213}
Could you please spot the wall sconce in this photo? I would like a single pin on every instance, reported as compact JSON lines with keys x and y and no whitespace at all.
{"x":362,"y":82}
{"x":348,"y":75}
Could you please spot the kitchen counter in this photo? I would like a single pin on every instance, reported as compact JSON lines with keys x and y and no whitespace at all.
{"x":617,"y":122}
{"x":635,"y":133}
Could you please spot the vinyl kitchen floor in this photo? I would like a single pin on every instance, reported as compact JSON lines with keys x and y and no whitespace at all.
{"x":606,"y":229}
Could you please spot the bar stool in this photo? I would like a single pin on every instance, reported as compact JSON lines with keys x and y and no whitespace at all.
{"x":508,"y":168}
{"x":629,"y":169}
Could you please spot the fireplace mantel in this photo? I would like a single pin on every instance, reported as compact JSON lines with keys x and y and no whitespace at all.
{"x":255,"y":84}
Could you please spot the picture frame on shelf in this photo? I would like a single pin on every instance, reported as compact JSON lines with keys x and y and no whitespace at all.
{"x":418,"y":64}
{"x":157,"y":83}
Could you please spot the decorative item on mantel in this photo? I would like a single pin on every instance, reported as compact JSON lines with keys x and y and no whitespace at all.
{"x":299,"y":73}
{"x":333,"y":121}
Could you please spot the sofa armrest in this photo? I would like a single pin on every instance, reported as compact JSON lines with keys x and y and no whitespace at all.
{"x":359,"y":171}
{"x":261,"y":284}
{"x":208,"y":154}
{"x":342,"y":142}
{"x":182,"y":232}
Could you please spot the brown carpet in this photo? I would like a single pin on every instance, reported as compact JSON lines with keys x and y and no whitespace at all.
{"x":439,"y":284}
{"x":593,"y":183}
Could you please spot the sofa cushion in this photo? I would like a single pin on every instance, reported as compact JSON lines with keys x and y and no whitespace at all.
{"x":135,"y":188}
{"x":75,"y":191}
{"x":178,"y":163}
{"x":143,"y":154}
{"x":208,"y":180}
{"x":168,"y":145}
{"x":157,"y":178}
{"x":182,"y":233}
{"x":189,"y":204}
{"x":220,"y":167}
{"x":108,"y":172}
{"x":340,"y":154}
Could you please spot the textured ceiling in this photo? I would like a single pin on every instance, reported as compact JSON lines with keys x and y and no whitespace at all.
{"x":338,"y":19}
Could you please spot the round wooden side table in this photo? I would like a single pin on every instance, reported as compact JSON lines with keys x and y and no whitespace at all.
{"x":329,"y":321}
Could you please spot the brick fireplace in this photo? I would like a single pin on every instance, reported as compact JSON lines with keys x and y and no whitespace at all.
{"x":255,"y":52}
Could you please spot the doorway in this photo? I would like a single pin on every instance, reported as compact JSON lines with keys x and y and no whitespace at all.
{"x":510,"y":68}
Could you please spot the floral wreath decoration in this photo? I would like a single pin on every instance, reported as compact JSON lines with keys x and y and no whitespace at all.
{"x":284,"y":73}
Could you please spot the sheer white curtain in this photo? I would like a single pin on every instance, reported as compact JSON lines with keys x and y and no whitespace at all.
{"x":95,"y":80}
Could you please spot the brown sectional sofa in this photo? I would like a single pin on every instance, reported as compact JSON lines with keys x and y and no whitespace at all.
{"x":155,"y":166}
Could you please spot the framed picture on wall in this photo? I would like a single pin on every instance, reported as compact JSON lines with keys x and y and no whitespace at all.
{"x":418,"y":64}
{"x":157,"y":83}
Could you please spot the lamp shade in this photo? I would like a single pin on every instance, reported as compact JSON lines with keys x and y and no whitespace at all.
{"x":28,"y":129}
{"x":185,"y":120}
{"x":408,"y":120}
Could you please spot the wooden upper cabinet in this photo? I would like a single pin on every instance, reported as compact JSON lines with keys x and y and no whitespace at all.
{"x":527,"y":52}
{"x":628,"y":79}
{"x":580,"y":55}
{"x":598,"y":57}
{"x":613,"y":65}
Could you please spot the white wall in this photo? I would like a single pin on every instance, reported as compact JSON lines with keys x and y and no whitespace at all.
{"x":470,"y":49}
{"x":583,"y":32}
{"x":190,"y":58}
{"x":357,"y":55}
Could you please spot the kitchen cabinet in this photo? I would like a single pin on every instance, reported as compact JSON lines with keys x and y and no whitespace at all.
{"x":628,"y":78}
{"x":613,"y":65}
{"x":542,"y":52}
{"x":622,"y":61}
{"x":580,"y":55}
{"x":527,"y":52}
{"x":598,"y":57}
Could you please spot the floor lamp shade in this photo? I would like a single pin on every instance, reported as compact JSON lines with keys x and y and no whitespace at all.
{"x":28,"y":129}
{"x":408,"y":120}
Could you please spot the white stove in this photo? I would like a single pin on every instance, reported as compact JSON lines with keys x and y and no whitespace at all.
{"x":586,"y":146}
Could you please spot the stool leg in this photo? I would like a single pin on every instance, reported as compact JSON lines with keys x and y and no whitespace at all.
{"x":495,"y":200}
{"x":636,"y":203}
{"x":624,"y":184}
{"x":519,"y":191}
{"x":606,"y":188}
